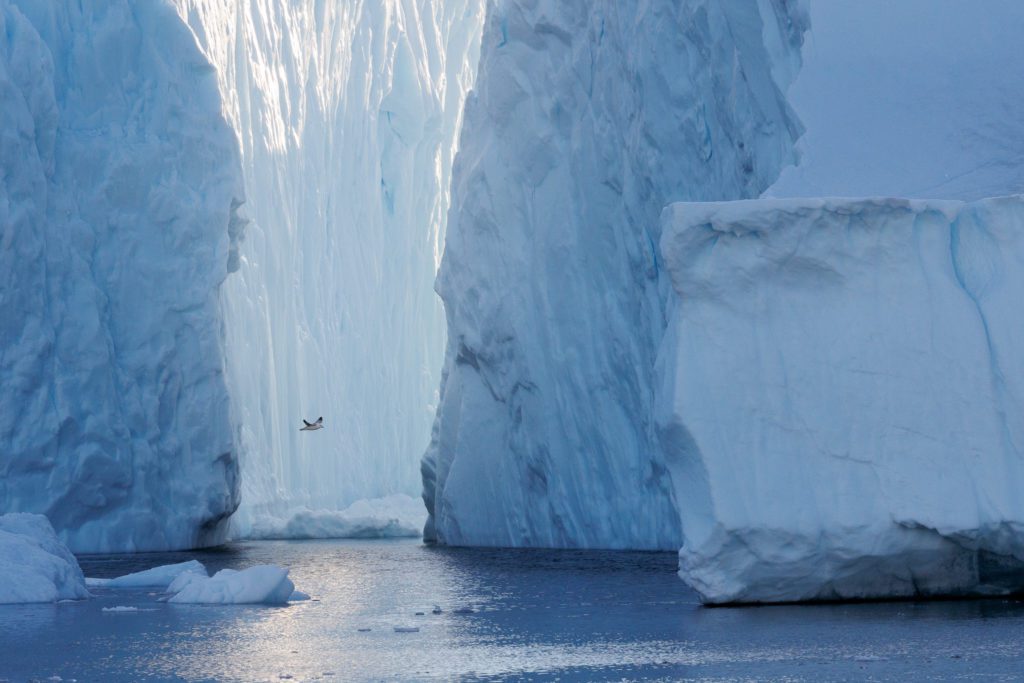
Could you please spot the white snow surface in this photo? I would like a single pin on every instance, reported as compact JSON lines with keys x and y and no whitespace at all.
{"x":916,"y":98}
{"x":262,"y":584}
{"x":394,"y":516}
{"x":347,"y":115}
{"x":157,"y":577}
{"x":35,"y":566}
{"x":840,"y":398}
{"x":117,"y":226}
{"x":586,"y":119}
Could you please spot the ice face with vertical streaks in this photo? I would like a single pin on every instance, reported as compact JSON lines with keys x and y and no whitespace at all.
{"x":117,"y":228}
{"x":587,"y":118}
{"x":347,"y":115}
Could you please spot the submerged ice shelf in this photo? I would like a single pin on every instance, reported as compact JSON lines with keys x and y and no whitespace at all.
{"x":839,"y":404}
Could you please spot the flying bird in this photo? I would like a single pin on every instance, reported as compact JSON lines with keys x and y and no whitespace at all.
{"x":313,"y":426}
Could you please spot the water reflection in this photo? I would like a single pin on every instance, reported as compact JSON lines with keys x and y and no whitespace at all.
{"x":540,"y":615}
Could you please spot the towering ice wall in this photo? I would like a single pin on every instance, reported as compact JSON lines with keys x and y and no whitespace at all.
{"x":586,"y":119}
{"x":118,"y":180}
{"x":347,"y":114}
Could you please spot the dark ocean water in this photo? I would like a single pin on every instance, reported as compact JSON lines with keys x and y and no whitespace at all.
{"x":537,"y":615}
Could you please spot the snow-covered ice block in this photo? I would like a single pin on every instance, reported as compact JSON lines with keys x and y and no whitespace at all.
{"x":34,"y":565}
{"x":840,"y":397}
{"x":157,"y":577}
{"x":265,"y":584}
{"x":395,"y":516}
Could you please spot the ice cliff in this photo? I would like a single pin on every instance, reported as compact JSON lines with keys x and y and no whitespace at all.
{"x":117,"y":227}
{"x":840,"y":397}
{"x":122,"y":126}
{"x":347,"y":115}
{"x":586,"y":119}
{"x":840,"y":379}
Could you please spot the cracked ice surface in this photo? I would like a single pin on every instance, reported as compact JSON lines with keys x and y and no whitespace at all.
{"x":841,"y":393}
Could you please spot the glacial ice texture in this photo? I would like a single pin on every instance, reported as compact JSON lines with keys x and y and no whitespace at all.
{"x":347,"y":115}
{"x":586,"y":118}
{"x":119,"y":179}
{"x":840,"y":405}
{"x":34,"y":565}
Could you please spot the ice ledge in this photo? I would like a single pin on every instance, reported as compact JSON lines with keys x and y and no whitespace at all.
{"x":840,"y":393}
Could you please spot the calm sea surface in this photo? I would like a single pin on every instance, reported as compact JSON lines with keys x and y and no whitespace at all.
{"x":537,"y":615}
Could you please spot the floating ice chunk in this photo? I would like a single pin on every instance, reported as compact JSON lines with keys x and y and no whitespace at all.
{"x":265,"y":584}
{"x":161,"y":576}
{"x":841,"y":382}
{"x":298,"y":596}
{"x":396,"y":516}
{"x":407,"y":629}
{"x":121,"y":608}
{"x":34,"y":565}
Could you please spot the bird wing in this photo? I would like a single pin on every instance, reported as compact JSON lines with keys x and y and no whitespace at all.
{"x":320,"y":420}
{"x":308,"y":424}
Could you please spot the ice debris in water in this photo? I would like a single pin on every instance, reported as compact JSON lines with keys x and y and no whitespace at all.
{"x":188,"y":582}
{"x":161,"y":576}
{"x":265,"y":584}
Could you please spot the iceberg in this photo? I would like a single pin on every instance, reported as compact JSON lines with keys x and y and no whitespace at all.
{"x":35,"y":566}
{"x":140,"y":376}
{"x":586,"y":119}
{"x":117,"y":229}
{"x":157,"y":577}
{"x":839,"y":397}
{"x":262,"y":584}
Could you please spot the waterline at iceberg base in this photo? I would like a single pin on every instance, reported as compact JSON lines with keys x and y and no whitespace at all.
{"x":841,"y":384}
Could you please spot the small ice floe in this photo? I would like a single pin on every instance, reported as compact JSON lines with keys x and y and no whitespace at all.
{"x":121,"y":608}
{"x":419,"y":614}
{"x":157,"y":577}
{"x":363,"y":630}
{"x":463,"y":610}
{"x":298,"y":596}
{"x":407,"y":629}
{"x":262,"y":584}
{"x":436,"y":610}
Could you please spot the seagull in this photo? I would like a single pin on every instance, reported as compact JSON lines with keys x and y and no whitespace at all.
{"x":313,"y":426}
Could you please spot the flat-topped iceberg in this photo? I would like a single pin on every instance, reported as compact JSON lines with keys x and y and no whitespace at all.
{"x":840,"y":398}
